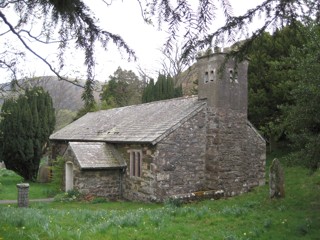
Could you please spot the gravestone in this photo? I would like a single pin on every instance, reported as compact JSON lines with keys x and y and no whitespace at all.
{"x":44,"y":174}
{"x":2,"y":165}
{"x":276,"y":180}
{"x":23,"y":194}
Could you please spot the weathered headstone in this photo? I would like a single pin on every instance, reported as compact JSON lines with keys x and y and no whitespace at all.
{"x":23,"y":194}
{"x":2,"y":165}
{"x":44,"y":174}
{"x":276,"y":180}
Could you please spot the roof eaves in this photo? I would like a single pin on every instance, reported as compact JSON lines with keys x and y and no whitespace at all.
{"x":103,"y":168}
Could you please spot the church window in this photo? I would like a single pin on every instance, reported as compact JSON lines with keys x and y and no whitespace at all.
{"x":206,"y":77}
{"x":233,"y":75}
{"x":135,"y":163}
{"x":212,"y":75}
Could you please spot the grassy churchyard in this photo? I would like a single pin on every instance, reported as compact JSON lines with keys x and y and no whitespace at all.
{"x":250,"y":216}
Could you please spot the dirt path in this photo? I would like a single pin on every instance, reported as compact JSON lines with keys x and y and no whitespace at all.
{"x":30,"y":200}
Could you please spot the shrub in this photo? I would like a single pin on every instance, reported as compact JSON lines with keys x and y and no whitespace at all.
{"x":173,"y":202}
{"x":50,"y":192}
{"x":99,"y":200}
{"x":304,"y":227}
{"x":131,"y":219}
{"x":6,"y":173}
{"x":201,"y":212}
{"x":267,"y":223}
{"x":70,"y":196}
{"x":156,"y":218}
{"x":57,"y":172}
{"x":235,"y":211}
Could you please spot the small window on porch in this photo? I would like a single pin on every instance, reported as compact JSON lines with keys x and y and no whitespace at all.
{"x":135,"y":163}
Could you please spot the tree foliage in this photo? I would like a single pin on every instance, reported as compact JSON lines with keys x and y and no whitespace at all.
{"x":301,"y":119}
{"x":162,"y":89}
{"x":198,"y":21}
{"x":284,"y":89}
{"x":269,"y":81}
{"x":26,"y":124}
{"x":123,"y":88}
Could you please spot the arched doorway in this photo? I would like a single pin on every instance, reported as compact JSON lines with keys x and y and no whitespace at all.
{"x":69,"y":176}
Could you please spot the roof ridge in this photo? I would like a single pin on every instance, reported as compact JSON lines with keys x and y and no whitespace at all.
{"x":149,"y":103}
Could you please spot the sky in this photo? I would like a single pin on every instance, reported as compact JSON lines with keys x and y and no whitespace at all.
{"x":121,"y":17}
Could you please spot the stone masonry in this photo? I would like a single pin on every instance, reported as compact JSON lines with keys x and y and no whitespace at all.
{"x":98,"y":182}
{"x":203,"y":147}
{"x":229,"y":159}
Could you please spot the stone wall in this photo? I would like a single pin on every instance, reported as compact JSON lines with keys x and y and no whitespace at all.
{"x":180,"y":159}
{"x":226,"y":151}
{"x":235,"y":153}
{"x":101,"y":183}
{"x":256,"y":155}
{"x":174,"y":166}
{"x":223,"y":88}
{"x":97,"y":182}
{"x":139,"y":188}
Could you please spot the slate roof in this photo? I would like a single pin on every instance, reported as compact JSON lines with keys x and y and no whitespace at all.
{"x":96,"y":155}
{"x":143,"y":123}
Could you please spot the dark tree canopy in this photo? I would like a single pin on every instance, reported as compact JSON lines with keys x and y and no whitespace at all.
{"x":301,"y":119}
{"x":26,"y":123}
{"x":269,"y":78}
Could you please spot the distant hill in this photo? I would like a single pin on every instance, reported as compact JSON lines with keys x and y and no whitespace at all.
{"x":188,"y":80}
{"x":66,"y":96}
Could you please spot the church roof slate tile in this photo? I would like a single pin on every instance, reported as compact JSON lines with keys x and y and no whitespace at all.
{"x":143,"y":123}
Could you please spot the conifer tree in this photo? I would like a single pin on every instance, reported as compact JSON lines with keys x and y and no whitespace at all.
{"x":26,"y":124}
{"x":162,"y":89}
{"x":148,"y":95}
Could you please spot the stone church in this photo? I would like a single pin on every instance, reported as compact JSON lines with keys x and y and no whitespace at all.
{"x":185,"y":147}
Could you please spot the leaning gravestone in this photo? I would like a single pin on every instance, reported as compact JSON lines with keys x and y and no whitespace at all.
{"x":276,"y":180}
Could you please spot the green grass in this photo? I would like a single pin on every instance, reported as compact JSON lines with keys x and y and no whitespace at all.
{"x":8,"y":189}
{"x":247,"y":217}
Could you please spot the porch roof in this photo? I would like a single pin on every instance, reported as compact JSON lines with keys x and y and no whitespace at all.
{"x":96,"y":155}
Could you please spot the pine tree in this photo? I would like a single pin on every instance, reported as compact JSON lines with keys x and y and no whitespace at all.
{"x":24,"y":135}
